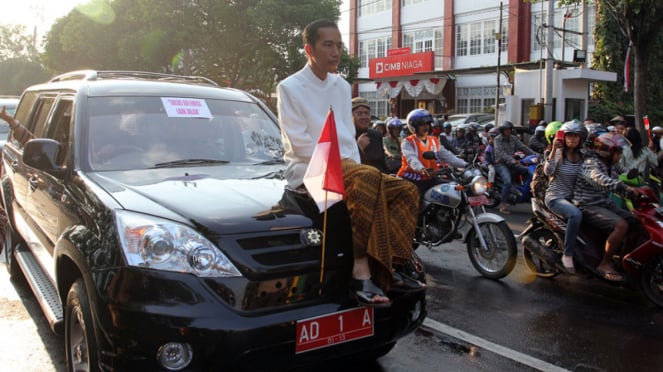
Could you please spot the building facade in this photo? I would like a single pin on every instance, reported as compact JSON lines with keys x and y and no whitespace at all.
{"x":444,"y":55}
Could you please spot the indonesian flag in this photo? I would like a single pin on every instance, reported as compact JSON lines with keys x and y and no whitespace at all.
{"x":627,"y":68}
{"x":324,"y":177}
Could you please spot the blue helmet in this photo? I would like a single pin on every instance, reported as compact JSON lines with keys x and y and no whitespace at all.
{"x":418,"y":117}
{"x":394,"y":123}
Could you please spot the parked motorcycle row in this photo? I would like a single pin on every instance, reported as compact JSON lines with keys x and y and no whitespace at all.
{"x":492,"y":248}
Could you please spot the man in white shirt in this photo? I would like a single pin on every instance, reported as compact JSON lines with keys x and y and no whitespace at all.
{"x":382,"y":231}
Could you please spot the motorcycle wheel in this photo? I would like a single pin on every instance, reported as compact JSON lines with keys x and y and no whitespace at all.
{"x":652,"y":282}
{"x":499,"y":259}
{"x":533,"y":262}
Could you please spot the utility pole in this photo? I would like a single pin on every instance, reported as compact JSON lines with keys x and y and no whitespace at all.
{"x":498,"y":37}
{"x":550,"y":45}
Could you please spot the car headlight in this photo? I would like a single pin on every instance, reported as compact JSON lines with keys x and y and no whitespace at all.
{"x":160,"y":244}
{"x":479,"y":185}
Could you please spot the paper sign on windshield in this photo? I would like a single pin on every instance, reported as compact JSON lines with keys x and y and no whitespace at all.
{"x":186,"y":107}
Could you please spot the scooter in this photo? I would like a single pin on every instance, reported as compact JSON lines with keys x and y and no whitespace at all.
{"x":520,"y":185}
{"x":640,"y":259}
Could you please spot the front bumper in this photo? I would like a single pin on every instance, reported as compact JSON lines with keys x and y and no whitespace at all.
{"x":142,"y":309}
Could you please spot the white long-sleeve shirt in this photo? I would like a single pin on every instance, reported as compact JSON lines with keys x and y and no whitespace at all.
{"x":303,"y":103}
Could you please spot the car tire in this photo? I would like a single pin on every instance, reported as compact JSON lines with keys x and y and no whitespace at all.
{"x":80,"y":342}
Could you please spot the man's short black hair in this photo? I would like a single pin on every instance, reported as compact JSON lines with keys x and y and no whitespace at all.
{"x":310,"y":33}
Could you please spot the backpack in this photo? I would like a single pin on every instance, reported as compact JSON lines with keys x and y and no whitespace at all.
{"x":540,"y":181}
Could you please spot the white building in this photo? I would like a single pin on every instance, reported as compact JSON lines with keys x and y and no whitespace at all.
{"x":443,"y":55}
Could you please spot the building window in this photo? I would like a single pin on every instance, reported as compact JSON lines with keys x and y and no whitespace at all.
{"x":479,"y":38}
{"x":375,"y":48}
{"x":379,"y":105}
{"x":368,"y":7}
{"x":411,"y":2}
{"x":425,"y":41}
{"x":476,"y":99}
{"x":572,"y":27}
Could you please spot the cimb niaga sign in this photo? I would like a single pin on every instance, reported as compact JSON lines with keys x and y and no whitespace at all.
{"x":401,"y":65}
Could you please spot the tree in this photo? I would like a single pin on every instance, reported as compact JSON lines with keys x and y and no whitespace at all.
{"x":20,"y":64}
{"x":248,"y":44}
{"x":640,"y":21}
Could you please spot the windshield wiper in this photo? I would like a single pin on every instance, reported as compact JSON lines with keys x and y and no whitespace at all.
{"x":271,"y":162}
{"x":185,"y":162}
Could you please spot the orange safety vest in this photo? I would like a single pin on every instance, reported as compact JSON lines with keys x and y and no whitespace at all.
{"x":432,"y":144}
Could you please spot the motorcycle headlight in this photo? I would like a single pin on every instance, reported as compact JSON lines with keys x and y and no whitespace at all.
{"x":479,"y":185}
{"x":160,"y":244}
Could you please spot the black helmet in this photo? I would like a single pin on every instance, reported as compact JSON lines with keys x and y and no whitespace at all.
{"x":488,"y":127}
{"x":506,"y":125}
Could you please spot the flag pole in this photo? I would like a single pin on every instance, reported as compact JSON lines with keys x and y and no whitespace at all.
{"x":324,"y":240}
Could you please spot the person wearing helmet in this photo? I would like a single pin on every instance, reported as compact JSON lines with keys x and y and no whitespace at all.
{"x":414,"y":167}
{"x":594,"y":130}
{"x":392,"y":145}
{"x":444,"y":141}
{"x":304,"y":101}
{"x":381,"y":127}
{"x":551,"y":130}
{"x":446,"y":131}
{"x":472,"y":141}
{"x":459,"y":139}
{"x":538,"y":141}
{"x":598,"y":177}
{"x":506,"y":145}
{"x":562,"y":168}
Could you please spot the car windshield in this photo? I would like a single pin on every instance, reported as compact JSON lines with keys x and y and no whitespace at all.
{"x":154,"y":132}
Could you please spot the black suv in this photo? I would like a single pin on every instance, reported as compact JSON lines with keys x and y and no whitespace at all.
{"x":149,"y":216}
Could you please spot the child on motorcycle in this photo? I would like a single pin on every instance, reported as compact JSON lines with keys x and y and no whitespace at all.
{"x":597,"y":178}
{"x":414,"y":167}
{"x":562,"y":167}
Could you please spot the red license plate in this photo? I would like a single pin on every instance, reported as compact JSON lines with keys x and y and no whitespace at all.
{"x":477,"y":200}
{"x":333,"y":329}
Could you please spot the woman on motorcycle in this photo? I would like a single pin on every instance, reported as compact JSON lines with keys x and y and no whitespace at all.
{"x":414,"y":167}
{"x":562,"y":166}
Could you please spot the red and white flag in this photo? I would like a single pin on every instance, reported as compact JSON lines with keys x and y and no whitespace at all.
{"x":324,"y":177}
{"x":627,"y":68}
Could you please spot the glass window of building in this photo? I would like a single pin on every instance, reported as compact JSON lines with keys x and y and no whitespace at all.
{"x":375,"y":48}
{"x":411,"y":2}
{"x":368,"y":7}
{"x":479,"y":38}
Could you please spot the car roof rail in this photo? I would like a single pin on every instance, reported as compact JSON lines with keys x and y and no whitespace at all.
{"x":144,"y":75}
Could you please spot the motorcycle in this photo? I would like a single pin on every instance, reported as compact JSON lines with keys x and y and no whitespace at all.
{"x":520,"y":185}
{"x":640,"y":259}
{"x":491,"y":245}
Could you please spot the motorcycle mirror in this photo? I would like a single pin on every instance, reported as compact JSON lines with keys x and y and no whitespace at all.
{"x":429,"y":155}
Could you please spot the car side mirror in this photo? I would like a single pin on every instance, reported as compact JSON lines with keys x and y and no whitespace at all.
{"x":41,"y":153}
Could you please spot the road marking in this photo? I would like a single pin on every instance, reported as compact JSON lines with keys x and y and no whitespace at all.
{"x":492,"y":347}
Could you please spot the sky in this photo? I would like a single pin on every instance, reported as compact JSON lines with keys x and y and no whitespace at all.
{"x":36,"y":13}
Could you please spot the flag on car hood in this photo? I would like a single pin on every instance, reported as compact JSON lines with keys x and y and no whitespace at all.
{"x":324,"y":177}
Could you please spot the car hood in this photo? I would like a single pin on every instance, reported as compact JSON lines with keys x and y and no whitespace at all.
{"x":205,"y":196}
